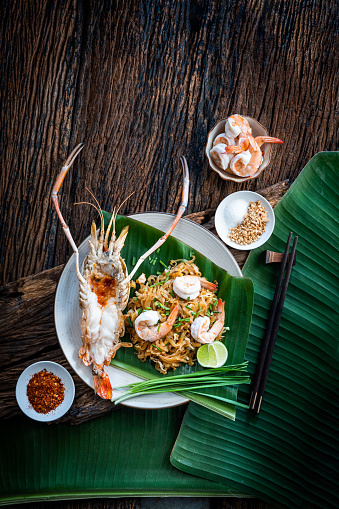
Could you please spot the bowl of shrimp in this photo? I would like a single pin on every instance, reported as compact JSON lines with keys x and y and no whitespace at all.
{"x":238,"y":148}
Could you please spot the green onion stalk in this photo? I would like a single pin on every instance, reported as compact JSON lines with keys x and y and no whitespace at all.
{"x":191,"y":383}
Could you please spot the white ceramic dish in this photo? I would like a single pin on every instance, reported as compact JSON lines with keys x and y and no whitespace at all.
{"x":257,"y":130}
{"x":67,"y":313}
{"x":21,"y":390}
{"x":223,"y":227}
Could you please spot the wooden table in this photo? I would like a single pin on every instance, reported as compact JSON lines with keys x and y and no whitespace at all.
{"x":140,"y":85}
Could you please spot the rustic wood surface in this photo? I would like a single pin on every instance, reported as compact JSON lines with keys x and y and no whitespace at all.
{"x":141,"y":83}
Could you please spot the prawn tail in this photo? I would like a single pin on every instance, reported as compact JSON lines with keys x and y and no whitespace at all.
{"x":173,"y":316}
{"x":102,"y":384}
{"x":267,"y":139}
{"x":208,"y":285}
{"x":221,"y":310}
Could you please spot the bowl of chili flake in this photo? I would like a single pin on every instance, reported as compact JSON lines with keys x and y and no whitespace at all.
{"x":45,"y":391}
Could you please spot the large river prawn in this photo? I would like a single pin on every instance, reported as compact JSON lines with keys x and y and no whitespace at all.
{"x":104,"y":285}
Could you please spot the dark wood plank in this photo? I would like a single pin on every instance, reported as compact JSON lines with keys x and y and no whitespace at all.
{"x":141,"y":84}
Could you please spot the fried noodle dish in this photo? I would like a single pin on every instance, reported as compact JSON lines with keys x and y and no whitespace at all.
{"x":172,"y":314}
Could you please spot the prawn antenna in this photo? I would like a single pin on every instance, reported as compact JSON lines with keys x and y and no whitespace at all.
{"x":181,"y":210}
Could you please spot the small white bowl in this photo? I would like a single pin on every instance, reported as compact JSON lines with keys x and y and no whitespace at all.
{"x":223,"y":227}
{"x":257,"y":130}
{"x":21,"y":391}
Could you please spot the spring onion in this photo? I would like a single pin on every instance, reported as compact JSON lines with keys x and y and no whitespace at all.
{"x":158,"y":303}
{"x":191,"y":383}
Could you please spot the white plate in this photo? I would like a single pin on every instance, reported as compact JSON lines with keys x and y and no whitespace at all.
{"x":21,"y":390}
{"x":67,"y":313}
{"x":222,"y":226}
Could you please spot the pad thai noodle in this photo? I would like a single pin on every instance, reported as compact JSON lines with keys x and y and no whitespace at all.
{"x":160,"y":315}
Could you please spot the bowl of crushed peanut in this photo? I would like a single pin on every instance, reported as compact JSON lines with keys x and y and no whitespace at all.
{"x":244,"y":220}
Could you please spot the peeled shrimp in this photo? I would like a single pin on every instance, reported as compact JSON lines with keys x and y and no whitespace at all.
{"x":222,"y":138}
{"x":237,"y":125}
{"x":220,"y":156}
{"x":250,"y":143}
{"x":146,"y":324}
{"x":247,"y":163}
{"x":199,"y":327}
{"x":190,"y":286}
{"x":245,"y":141}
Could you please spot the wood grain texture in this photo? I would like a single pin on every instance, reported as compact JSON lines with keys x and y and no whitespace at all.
{"x":141,"y":83}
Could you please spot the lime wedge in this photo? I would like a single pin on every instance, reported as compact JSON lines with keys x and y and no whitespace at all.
{"x":213,"y":355}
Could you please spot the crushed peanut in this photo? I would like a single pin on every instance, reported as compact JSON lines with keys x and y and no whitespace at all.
{"x":252,"y":226}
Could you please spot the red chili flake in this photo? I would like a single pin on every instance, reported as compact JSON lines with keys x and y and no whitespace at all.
{"x":45,"y":392}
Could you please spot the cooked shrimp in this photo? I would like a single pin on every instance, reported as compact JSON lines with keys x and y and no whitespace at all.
{"x":240,"y":162}
{"x":236,"y":125}
{"x":222,"y":138}
{"x":245,"y":141}
{"x":220,"y":156}
{"x":199,"y":327}
{"x":188,"y":287}
{"x":250,"y":143}
{"x":145,"y":324}
{"x":247,"y":163}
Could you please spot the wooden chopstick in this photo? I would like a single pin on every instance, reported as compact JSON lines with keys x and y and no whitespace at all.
{"x":269,"y":340}
{"x":266,"y":339}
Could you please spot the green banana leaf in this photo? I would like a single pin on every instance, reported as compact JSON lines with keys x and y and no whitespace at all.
{"x":237,"y":292}
{"x":122,"y":454}
{"x":289,"y":453}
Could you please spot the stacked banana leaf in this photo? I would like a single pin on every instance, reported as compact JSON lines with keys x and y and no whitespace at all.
{"x":237,"y":292}
{"x":288,"y":453}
